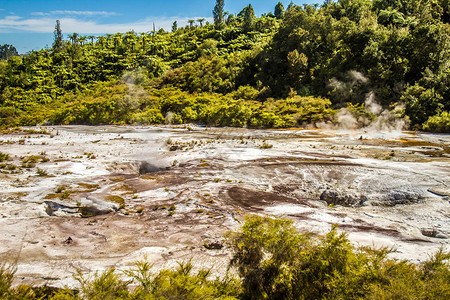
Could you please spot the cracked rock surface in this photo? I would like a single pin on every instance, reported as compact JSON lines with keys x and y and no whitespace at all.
{"x":91,"y":197}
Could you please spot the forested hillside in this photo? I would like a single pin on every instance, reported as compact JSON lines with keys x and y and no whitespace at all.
{"x":286,"y":68}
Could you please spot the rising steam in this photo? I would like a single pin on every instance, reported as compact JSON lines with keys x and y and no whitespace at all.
{"x":384,"y":119}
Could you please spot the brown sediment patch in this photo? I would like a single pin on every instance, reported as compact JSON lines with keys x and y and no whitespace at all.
{"x":255,"y":199}
{"x":293,"y":161}
{"x":156,"y":181}
{"x":424,"y":145}
{"x":371,"y":228}
{"x":302,"y":216}
{"x":311,"y":162}
{"x":323,"y":155}
{"x":89,"y":187}
{"x":285,"y":188}
{"x":415,"y":240}
{"x":121,"y":177}
{"x":124,"y":188}
{"x":438,"y":153}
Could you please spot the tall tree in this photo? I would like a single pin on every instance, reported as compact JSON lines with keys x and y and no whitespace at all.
{"x":291,"y":6}
{"x":174,"y":26}
{"x":230,"y":19}
{"x":218,"y":13}
{"x":201,"y":20}
{"x":73,"y":37}
{"x":249,"y":18}
{"x":7,"y":51}
{"x":57,"y":43}
{"x":279,"y":10}
{"x":191,"y":23}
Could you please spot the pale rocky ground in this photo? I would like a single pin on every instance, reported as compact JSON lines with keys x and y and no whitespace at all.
{"x":386,"y":189}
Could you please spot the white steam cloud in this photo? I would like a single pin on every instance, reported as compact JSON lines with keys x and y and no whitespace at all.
{"x":385,"y":120}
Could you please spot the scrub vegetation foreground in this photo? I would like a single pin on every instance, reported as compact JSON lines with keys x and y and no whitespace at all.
{"x":294,"y":66}
{"x":271,"y":260}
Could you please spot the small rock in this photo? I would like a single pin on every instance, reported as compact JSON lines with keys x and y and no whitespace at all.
{"x":213,"y":245}
{"x":440,"y":192}
{"x":432,"y":232}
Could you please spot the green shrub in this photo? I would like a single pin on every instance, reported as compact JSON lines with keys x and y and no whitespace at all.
{"x":149,"y":116}
{"x":6,"y":279}
{"x":7,"y":291}
{"x":182,"y":284}
{"x":4,"y":156}
{"x":41,"y":172}
{"x":438,"y":123}
{"x":275,"y":261}
{"x":107,"y":285}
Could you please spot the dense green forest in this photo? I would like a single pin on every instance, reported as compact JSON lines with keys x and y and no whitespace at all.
{"x":302,"y":266}
{"x":285,"y":68}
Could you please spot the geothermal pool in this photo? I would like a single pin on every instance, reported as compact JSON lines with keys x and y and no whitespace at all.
{"x":94,"y":197}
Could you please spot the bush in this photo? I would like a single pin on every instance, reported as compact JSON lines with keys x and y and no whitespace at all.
{"x":148,"y":116}
{"x":275,"y":261}
{"x":103,"y":286}
{"x":438,"y":123}
{"x":4,"y":156}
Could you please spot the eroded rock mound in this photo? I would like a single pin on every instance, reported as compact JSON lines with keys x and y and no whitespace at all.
{"x":85,"y":208}
{"x":337,"y":198}
{"x":58,"y":208}
{"x":402,"y":197}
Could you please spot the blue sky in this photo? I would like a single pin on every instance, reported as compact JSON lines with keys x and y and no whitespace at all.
{"x":29,"y":25}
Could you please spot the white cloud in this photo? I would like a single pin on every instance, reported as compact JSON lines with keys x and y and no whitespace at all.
{"x":76,"y":13}
{"x":40,"y":13}
{"x":71,"y":24}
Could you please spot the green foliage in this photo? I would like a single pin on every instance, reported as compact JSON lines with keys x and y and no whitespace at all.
{"x":6,"y":279}
{"x":7,"y":291}
{"x":279,"y":10}
{"x":218,"y":13}
{"x":7,"y":51}
{"x":174,"y":26}
{"x":438,"y":123}
{"x":275,"y":261}
{"x":246,"y":93}
{"x":182,"y":284}
{"x":397,"y":50}
{"x":354,"y":47}
{"x":106,"y":285}
{"x":57,"y":43}
{"x":249,"y":18}
{"x":360,"y":113}
{"x":4,"y":156}
{"x":421,"y":103}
